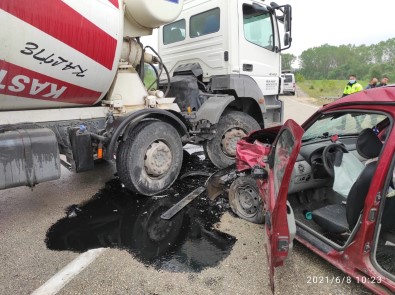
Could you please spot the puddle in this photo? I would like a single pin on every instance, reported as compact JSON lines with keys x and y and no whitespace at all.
{"x":115,"y":218}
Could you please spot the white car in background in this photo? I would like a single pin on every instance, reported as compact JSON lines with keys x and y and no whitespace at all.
{"x":289,"y":83}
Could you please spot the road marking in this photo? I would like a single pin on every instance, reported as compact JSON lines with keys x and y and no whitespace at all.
{"x":65,"y":275}
{"x":305,"y":104}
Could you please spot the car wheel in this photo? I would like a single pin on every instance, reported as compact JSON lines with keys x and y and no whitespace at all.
{"x":150,"y":159}
{"x":245,"y":201}
{"x":221,"y":149}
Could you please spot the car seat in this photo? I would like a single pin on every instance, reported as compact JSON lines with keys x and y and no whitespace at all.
{"x":339,"y":218}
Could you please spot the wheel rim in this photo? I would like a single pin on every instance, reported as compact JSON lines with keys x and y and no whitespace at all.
{"x":157,"y":159}
{"x":230,"y":139}
{"x":248,"y":199}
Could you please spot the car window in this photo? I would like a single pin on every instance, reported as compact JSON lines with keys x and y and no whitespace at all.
{"x":341,"y":124}
{"x":288,"y":78}
{"x":204,"y":23}
{"x":174,"y":32}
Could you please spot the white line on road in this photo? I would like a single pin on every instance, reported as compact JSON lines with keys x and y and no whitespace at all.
{"x":306,"y":104}
{"x":65,"y":275}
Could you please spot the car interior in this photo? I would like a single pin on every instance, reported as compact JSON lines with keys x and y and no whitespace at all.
{"x":384,"y":252}
{"x":325,"y":215}
{"x":330,"y":180}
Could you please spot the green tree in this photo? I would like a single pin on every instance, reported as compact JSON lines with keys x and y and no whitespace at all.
{"x":338,"y":62}
{"x":299,"y":77}
{"x":375,"y":71}
{"x":286,"y":61}
{"x":149,"y":77}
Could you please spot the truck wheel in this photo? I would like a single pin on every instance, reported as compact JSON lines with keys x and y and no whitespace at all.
{"x":245,"y":201}
{"x":221,"y":149}
{"x":150,"y":159}
{"x":148,"y":234}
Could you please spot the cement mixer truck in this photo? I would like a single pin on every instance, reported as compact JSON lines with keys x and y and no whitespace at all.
{"x":72,"y":86}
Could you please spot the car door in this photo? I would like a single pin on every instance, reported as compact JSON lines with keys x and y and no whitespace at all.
{"x":281,"y":162}
{"x":258,"y":46}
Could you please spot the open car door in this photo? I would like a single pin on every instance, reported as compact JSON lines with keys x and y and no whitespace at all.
{"x":281,"y":162}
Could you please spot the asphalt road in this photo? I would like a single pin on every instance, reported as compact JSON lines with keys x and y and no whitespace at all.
{"x":240,"y":267}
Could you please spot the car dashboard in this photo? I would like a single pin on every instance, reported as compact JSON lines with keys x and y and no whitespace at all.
{"x":309,"y":172}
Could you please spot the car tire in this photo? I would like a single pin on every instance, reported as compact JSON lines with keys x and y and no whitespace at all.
{"x":221,"y":149}
{"x":150,"y":159}
{"x":245,"y":201}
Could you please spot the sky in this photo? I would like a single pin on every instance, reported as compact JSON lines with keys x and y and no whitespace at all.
{"x":335,"y":22}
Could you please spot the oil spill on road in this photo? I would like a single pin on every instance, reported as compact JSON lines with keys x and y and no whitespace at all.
{"x":116,"y":218}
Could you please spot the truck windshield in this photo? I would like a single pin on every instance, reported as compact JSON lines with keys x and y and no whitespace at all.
{"x":258,"y":27}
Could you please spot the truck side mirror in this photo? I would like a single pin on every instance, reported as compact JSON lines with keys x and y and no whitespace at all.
{"x":274,"y":5}
{"x":287,"y":18}
{"x":260,"y":8}
{"x":284,"y":18}
{"x":287,"y":39}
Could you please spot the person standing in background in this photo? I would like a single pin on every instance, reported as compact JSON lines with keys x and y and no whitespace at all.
{"x":383,"y":81}
{"x":352,"y":86}
{"x":372,"y":83}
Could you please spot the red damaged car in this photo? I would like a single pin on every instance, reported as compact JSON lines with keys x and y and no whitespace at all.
{"x":328,"y":183}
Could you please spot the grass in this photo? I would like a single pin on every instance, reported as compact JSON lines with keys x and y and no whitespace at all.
{"x":325,"y":90}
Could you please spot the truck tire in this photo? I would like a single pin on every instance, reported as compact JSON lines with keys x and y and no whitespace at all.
{"x":245,"y":201}
{"x":150,"y":159}
{"x":148,"y":235}
{"x":221,"y":149}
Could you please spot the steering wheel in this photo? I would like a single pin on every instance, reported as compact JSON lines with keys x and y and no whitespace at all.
{"x":329,"y":155}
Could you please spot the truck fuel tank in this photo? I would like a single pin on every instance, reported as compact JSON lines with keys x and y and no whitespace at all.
{"x":28,"y":157}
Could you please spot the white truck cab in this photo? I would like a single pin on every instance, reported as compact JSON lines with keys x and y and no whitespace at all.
{"x":226,"y":37}
{"x":224,"y":61}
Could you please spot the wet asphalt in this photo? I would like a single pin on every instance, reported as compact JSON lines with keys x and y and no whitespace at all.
{"x":204,"y":249}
